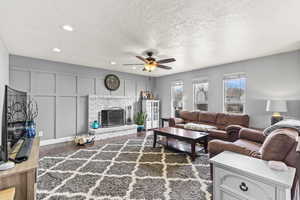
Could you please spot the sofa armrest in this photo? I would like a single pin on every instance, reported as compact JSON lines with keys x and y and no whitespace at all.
{"x":233,"y":132}
{"x":218,"y":146}
{"x":252,"y":134}
{"x":174,"y":121}
{"x":298,"y":159}
{"x":298,"y":164}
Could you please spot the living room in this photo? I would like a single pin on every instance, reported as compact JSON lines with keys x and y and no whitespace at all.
{"x":204,"y":104}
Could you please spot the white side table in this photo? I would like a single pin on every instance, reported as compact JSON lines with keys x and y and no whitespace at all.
{"x":239,"y":177}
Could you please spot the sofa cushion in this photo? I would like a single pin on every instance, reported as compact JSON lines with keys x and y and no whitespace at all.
{"x":218,"y":134}
{"x":250,"y":145}
{"x":221,"y":127}
{"x":217,"y":146}
{"x":252,"y":134}
{"x":209,"y":117}
{"x":221,"y":119}
{"x":232,"y":119}
{"x":237,"y":119}
{"x":189,"y":116}
{"x":278,"y":144}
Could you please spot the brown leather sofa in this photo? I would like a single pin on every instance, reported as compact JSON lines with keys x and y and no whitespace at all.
{"x":281,"y":145}
{"x":227,"y":125}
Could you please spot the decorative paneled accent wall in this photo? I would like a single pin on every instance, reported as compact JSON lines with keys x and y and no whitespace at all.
{"x":62,"y":97}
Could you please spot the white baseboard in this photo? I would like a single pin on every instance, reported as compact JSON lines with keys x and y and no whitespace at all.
{"x":98,"y":137}
{"x":55,"y":141}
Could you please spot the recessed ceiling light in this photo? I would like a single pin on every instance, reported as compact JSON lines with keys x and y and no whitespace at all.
{"x":133,"y":67}
{"x":57,"y":50}
{"x":67,"y":27}
{"x":113,"y":62}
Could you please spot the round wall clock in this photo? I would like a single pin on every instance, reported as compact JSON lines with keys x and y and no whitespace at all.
{"x":112,"y":82}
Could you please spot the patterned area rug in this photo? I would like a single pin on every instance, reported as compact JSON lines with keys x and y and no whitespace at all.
{"x":129,"y":169}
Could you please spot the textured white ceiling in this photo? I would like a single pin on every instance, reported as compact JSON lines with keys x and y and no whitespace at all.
{"x":198,"y":33}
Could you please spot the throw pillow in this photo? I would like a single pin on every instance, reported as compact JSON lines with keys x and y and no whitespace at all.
{"x":199,"y":127}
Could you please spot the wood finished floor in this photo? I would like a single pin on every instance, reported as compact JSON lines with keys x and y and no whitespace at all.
{"x":53,"y":149}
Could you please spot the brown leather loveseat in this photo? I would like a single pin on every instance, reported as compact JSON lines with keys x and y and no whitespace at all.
{"x":227,"y":125}
{"x":280,"y":145}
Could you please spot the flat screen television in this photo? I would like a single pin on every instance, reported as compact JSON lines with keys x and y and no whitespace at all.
{"x":13,"y":120}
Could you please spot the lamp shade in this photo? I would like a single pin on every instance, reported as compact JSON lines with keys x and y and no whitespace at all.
{"x":276,"y":106}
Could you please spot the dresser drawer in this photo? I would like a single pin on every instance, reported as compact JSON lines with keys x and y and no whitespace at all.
{"x":243,"y":186}
{"x":225,"y":196}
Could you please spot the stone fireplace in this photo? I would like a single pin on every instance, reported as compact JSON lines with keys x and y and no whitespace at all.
{"x":113,"y":113}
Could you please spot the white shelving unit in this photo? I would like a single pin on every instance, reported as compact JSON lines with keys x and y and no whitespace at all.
{"x":151,"y":107}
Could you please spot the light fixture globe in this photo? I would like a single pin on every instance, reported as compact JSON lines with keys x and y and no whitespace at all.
{"x":150,"y":67}
{"x":67,"y":27}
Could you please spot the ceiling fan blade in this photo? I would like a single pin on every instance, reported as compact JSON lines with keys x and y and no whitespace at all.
{"x":142,"y":59}
{"x":132,"y":64}
{"x":164,"y":67}
{"x":168,"y":60}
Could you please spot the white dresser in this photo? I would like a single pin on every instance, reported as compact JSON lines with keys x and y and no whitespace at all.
{"x":239,"y":177}
{"x":151,"y":107}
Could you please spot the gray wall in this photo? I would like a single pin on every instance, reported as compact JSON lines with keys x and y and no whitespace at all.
{"x":61,"y":89}
{"x":61,"y":92}
{"x":3,"y":76}
{"x":276,"y":76}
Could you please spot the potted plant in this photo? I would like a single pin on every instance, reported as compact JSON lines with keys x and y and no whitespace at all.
{"x":140,"y":119}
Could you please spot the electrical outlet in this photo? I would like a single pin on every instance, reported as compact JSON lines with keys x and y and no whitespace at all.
{"x":41,"y":133}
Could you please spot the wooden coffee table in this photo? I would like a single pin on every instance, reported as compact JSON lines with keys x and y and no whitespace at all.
{"x":181,"y":139}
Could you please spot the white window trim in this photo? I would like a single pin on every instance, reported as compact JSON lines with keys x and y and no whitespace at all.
{"x":175,"y":83}
{"x":200,"y":80}
{"x":238,"y":74}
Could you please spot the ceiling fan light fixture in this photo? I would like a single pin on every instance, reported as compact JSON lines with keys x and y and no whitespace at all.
{"x":150,"y":67}
{"x":150,"y":63}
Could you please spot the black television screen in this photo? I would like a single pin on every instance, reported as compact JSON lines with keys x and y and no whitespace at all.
{"x":3,"y":147}
{"x":13,"y":119}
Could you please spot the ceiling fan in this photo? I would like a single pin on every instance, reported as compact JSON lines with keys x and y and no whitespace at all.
{"x":151,"y":63}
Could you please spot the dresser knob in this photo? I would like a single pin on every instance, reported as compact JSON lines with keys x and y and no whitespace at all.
{"x":243,"y":187}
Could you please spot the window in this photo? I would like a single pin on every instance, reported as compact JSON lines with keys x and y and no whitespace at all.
{"x":176,"y":98}
{"x":200,"y":94}
{"x":234,"y":93}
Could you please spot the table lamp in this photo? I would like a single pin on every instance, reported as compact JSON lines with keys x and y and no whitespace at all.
{"x":277,"y":107}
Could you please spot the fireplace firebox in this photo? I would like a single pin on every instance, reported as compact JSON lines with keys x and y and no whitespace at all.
{"x":112,"y":117}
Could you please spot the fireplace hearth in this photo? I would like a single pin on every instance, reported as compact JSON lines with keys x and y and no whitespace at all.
{"x":112,"y":117}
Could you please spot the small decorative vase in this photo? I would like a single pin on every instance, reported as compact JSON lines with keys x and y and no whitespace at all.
{"x":140,"y":128}
{"x":96,"y":125}
{"x":30,"y":129}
